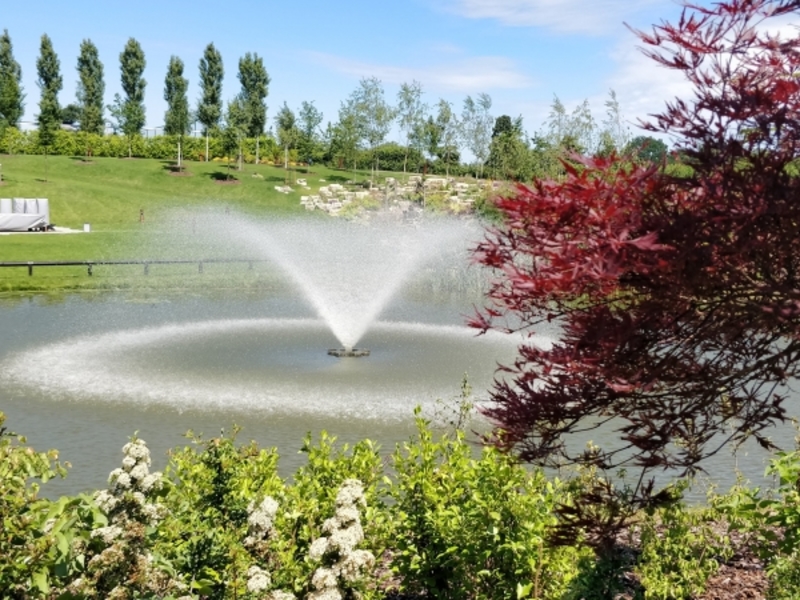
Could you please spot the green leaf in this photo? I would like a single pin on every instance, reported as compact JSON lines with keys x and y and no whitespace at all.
{"x":40,"y":581}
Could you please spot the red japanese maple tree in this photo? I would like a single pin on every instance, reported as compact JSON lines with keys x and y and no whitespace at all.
{"x":677,"y":296}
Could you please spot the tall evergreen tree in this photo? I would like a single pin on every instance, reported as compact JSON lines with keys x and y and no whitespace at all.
{"x":91,"y":88}
{"x":50,"y":82}
{"x":176,"y":119}
{"x":129,"y":112}
{"x":209,"y":107}
{"x":11,"y":96}
{"x":255,"y":81}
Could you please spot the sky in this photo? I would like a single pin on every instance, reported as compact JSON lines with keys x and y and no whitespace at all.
{"x":522,"y":53}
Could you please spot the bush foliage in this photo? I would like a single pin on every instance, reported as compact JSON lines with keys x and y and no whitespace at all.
{"x":437,"y":518}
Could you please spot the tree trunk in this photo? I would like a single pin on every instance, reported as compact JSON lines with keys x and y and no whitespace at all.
{"x":179,"y":156}
{"x":206,"y":145}
{"x":257,"y":140}
{"x":130,"y":147}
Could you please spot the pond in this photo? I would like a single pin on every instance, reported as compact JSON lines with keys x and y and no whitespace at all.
{"x":83,"y":374}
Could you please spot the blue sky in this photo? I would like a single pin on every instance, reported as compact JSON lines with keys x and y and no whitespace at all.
{"x":520,"y":52}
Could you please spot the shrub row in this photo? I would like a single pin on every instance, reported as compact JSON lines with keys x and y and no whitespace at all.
{"x":164,"y":147}
{"x":439,"y":521}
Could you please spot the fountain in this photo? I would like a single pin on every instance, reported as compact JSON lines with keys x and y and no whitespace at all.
{"x":272,"y":359}
{"x":348,"y":272}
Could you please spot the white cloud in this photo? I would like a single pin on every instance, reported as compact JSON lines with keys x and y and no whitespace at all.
{"x":643,"y":86}
{"x":563,"y":16}
{"x":473,"y":74}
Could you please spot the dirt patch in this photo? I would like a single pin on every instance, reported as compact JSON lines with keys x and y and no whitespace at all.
{"x":180,"y":174}
{"x":227,"y":181}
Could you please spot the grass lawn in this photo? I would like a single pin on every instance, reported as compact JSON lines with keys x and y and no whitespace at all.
{"x":108,"y":193}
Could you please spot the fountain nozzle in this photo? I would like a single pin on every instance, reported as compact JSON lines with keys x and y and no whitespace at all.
{"x":348,"y":352}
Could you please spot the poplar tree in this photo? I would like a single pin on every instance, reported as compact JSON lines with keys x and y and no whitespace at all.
{"x":129,"y":112}
{"x":11,"y":96}
{"x":176,"y":119}
{"x":209,"y":107}
{"x":255,"y":81}
{"x":50,"y":82}
{"x":91,"y":88}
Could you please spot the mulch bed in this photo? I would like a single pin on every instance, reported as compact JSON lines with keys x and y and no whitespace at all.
{"x":227,"y":181}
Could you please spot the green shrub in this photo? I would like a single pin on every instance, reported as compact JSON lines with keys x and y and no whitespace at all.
{"x":474,"y":527}
{"x":34,"y":540}
{"x":680,"y":550}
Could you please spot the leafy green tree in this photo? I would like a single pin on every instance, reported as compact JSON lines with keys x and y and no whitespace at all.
{"x":235,"y":130}
{"x":176,"y":119}
{"x":91,"y":88}
{"x":509,"y":155}
{"x":71,"y":114}
{"x":346,"y":134}
{"x":476,"y":128}
{"x":129,"y":112}
{"x":255,"y":87}
{"x":615,"y":134}
{"x":411,"y":112}
{"x":309,"y":118}
{"x":575,"y":132}
{"x":645,"y":148}
{"x":374,"y":114}
{"x":50,"y":82}
{"x":431,"y":137}
{"x":450,"y":129}
{"x":288,"y":133}
{"x":209,"y":107}
{"x":11,"y":96}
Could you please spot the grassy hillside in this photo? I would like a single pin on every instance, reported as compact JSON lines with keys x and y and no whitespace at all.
{"x":108,"y":193}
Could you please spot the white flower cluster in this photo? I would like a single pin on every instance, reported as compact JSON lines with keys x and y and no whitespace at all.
{"x":125,"y":564}
{"x":338,"y":548}
{"x":108,"y":534}
{"x":133,"y":482}
{"x":260,"y":521}
{"x":258,"y":579}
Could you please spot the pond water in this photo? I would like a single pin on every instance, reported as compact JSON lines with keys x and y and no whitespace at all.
{"x":84,"y":373}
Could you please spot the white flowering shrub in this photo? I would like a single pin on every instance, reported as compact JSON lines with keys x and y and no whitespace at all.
{"x":221,"y":517}
{"x":122,"y":564}
{"x":342,"y":565}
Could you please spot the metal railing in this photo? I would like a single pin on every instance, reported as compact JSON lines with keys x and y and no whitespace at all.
{"x":90,"y":264}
